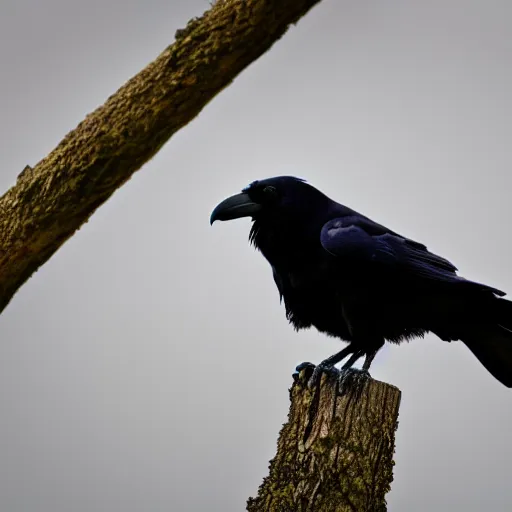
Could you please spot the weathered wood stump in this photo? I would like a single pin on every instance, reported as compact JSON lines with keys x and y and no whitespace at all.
{"x":335,"y":453}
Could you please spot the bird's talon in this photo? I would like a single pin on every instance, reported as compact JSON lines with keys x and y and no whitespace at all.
{"x":353,"y":380}
{"x":303,"y":371}
{"x":355,"y":373}
{"x":316,"y":377}
{"x":304,"y":366}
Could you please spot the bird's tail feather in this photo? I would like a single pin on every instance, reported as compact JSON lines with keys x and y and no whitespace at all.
{"x":492,"y":343}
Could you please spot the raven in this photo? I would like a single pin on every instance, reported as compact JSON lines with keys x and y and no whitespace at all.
{"x":357,"y":280}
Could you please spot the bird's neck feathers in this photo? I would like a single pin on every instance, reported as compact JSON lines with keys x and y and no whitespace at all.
{"x":277,"y":242}
{"x":284,"y":239}
{"x":290,"y":232}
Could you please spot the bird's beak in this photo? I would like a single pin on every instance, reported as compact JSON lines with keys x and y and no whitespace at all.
{"x":234,"y":207}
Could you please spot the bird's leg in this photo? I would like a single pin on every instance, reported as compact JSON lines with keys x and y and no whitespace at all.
{"x":370,"y":356}
{"x":353,"y":358}
{"x":353,"y":380}
{"x":336,"y":358}
{"x":328,"y":364}
{"x":371,"y":352}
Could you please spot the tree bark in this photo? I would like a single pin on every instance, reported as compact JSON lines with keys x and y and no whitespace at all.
{"x":51,"y":201}
{"x":335,"y":453}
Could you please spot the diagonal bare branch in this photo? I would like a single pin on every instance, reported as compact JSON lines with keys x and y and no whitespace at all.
{"x":52,"y":200}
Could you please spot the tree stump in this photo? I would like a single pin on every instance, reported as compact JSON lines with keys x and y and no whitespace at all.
{"x":335,"y":453}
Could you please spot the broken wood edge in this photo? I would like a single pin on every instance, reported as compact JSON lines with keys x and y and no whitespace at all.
{"x":335,"y":452}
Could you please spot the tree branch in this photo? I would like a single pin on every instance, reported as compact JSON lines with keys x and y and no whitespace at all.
{"x":335,"y":453}
{"x":52,"y":200}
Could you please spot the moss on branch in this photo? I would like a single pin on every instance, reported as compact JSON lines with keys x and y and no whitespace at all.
{"x":50,"y":201}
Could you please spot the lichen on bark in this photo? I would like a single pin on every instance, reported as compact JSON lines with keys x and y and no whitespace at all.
{"x":335,"y":453}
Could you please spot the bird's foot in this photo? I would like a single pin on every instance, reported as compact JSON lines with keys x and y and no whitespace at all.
{"x":313,"y":374}
{"x":353,"y":380}
{"x":306,"y":365}
{"x":356,"y":373}
{"x":303,"y":371}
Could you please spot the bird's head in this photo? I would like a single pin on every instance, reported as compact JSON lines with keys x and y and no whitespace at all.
{"x":272,"y":199}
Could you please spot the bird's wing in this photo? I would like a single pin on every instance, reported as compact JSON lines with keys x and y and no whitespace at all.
{"x":359,"y":238}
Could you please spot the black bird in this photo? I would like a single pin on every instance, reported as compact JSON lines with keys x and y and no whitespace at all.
{"x":357,"y":280}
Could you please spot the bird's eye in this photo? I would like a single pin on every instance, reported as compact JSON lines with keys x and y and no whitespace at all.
{"x":270,"y":191}
{"x":265,"y":195}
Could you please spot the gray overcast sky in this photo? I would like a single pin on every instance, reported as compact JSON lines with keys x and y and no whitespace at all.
{"x":146,"y":366}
